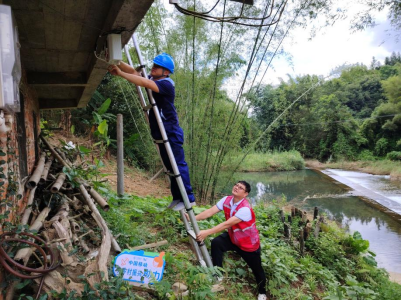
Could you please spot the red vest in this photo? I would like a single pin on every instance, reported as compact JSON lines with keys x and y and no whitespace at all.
{"x":244,"y":234}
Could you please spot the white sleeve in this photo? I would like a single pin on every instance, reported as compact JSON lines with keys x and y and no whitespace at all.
{"x":221,"y":203}
{"x":244,"y":214}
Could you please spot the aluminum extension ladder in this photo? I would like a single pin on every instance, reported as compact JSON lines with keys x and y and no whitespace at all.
{"x":191,"y":227}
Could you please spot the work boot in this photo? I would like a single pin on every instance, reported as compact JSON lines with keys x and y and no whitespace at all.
{"x":181,"y":206}
{"x":173,"y":204}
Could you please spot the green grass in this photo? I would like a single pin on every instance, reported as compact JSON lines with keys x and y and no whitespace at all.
{"x":335,"y":265}
{"x":379,"y":167}
{"x":271,"y":161}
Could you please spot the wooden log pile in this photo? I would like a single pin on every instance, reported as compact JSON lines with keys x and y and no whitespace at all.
{"x":62,"y":209}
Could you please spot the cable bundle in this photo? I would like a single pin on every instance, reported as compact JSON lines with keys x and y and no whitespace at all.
{"x":235,"y":20}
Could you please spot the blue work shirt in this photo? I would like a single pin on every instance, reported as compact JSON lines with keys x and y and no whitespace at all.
{"x":165,"y":103}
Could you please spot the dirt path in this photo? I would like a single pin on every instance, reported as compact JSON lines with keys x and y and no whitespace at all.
{"x":136,"y":182}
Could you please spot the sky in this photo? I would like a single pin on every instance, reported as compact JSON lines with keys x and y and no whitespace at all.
{"x":334,"y":47}
{"x":330,"y":48}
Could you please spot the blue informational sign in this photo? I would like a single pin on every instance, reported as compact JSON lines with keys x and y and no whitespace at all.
{"x":139,"y":266}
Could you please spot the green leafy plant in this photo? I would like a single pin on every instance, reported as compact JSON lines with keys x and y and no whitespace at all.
{"x":394,"y":156}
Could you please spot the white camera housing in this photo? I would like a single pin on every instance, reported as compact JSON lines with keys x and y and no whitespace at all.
{"x":115,"y":54}
{"x":10,"y":62}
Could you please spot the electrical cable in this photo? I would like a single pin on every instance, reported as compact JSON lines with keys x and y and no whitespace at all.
{"x":227,"y":131}
{"x":337,"y":121}
{"x":205,"y":14}
{"x":232,"y":19}
{"x":234,"y":22}
{"x":129,"y":108}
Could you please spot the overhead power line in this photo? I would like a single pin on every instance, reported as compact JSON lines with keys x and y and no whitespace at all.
{"x":337,"y":121}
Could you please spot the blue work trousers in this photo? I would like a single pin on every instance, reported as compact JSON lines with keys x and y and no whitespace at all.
{"x":176,"y":138}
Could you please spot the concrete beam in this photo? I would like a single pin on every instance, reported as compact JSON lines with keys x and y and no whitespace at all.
{"x":123,"y":13}
{"x":50,"y":104}
{"x":57,"y":79}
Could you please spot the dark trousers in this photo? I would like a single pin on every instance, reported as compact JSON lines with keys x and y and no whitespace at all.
{"x":222,"y":244}
{"x":176,"y":139}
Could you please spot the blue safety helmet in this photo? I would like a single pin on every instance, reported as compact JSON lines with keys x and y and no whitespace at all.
{"x":164,"y":60}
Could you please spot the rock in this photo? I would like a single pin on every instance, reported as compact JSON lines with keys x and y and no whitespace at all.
{"x":217,"y":288}
{"x":179,"y":287}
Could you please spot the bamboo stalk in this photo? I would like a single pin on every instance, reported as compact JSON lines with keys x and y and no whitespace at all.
{"x":45,"y":172}
{"x":307,"y":230}
{"x":34,"y":179}
{"x":315,"y":213}
{"x":287,"y":230}
{"x":74,"y":226}
{"x":282,"y":217}
{"x":317,"y":228}
{"x":152,"y":245}
{"x":25,"y":253}
{"x":301,"y":241}
{"x":84,"y":245}
{"x":59,"y":182}
{"x":28,"y":209}
{"x":104,"y":251}
{"x":99,"y":199}
{"x":54,"y":153}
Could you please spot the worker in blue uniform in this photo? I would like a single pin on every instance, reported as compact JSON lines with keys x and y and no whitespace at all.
{"x":163,"y":92}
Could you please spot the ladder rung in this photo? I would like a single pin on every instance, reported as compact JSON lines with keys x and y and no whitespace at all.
{"x":160,"y":141}
{"x":192,"y":234}
{"x":172,"y":175}
{"x":148,"y":107}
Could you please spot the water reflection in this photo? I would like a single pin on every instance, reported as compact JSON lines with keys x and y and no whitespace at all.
{"x":307,"y":189}
{"x":293,"y":185}
{"x":383,"y":232}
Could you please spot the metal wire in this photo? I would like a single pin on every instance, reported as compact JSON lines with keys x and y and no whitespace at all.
{"x":13,"y":267}
{"x":233,"y":19}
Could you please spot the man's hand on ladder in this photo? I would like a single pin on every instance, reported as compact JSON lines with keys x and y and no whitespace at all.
{"x":202,"y":235}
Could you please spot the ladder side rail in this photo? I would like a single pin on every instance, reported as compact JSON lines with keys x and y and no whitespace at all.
{"x":194,"y":244}
{"x":174,"y":166}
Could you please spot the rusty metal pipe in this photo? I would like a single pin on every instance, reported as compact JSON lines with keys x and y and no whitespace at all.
{"x":34,"y":179}
{"x":5,"y":258}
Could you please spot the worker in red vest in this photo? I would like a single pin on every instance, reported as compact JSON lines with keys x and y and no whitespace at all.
{"x":242,"y":236}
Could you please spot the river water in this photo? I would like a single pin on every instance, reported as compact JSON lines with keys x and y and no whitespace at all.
{"x":338,"y":193}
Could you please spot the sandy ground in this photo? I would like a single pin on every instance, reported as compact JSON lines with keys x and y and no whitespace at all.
{"x":136,"y":182}
{"x":396,"y":277}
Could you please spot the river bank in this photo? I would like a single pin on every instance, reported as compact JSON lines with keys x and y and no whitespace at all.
{"x":395,"y":277}
{"x":380,"y":167}
{"x":314,"y":276}
{"x":261,"y":162}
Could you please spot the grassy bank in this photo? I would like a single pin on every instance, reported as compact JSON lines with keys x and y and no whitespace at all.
{"x":272,"y":161}
{"x":335,"y":265}
{"x":379,"y":167}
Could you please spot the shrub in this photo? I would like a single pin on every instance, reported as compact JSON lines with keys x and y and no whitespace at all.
{"x":394,"y":156}
{"x":381,"y":147}
{"x":366,"y":155}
